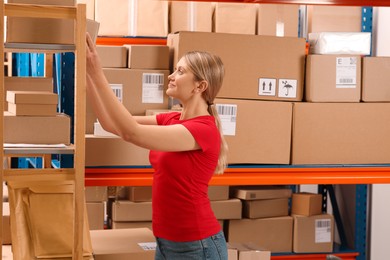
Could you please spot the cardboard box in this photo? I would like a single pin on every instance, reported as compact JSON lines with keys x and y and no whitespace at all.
{"x":227,"y":209}
{"x":333,"y":78}
{"x":26,"y":84}
{"x":112,"y":56}
{"x":32,"y":109}
{"x":254,"y":137}
{"x":95,"y":212}
{"x":260,"y":192}
{"x":313,"y":234}
{"x":266,"y":208}
{"x":374,"y":74}
{"x":113,"y":151}
{"x":132,"y":17}
{"x":123,"y":244}
{"x":191,"y":16}
{"x":132,"y":224}
{"x":151,"y":57}
{"x":218,"y":192}
{"x":96,"y":193}
{"x":279,"y":75}
{"x":341,"y":133}
{"x":41,"y":30}
{"x":123,"y":210}
{"x":237,"y":18}
{"x":306,"y":204}
{"x":278,"y":20}
{"x":139,"y":193}
{"x":32,"y":97}
{"x":37,"y":129}
{"x":247,"y":251}
{"x":323,"y":18}
{"x":272,"y":234}
{"x":137,"y":89}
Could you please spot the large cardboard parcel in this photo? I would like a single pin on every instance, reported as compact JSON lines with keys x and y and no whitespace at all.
{"x":256,"y":66}
{"x":341,"y":133}
{"x":278,"y":20}
{"x":256,"y":131}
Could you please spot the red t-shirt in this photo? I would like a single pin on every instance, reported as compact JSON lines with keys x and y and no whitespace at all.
{"x":181,"y":207}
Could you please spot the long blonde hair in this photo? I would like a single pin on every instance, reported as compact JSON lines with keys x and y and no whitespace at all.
{"x":209,"y":67}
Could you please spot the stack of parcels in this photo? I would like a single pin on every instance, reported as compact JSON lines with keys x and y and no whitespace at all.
{"x":266,"y":210}
{"x":32,"y":115}
{"x":138,"y":75}
{"x":247,"y":251}
{"x":96,"y":199}
{"x":313,"y":230}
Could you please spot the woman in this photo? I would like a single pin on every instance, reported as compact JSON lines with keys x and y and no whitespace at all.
{"x":186,"y":149}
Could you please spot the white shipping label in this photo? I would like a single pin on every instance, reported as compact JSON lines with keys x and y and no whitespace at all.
{"x":346,"y":70}
{"x":118,"y":91}
{"x":323,"y":231}
{"x":228,"y":116}
{"x":153,"y":88}
{"x":280,"y":29}
{"x":148,"y":246}
{"x":287,"y":88}
{"x":267,"y":87}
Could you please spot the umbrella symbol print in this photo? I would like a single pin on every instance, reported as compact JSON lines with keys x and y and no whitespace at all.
{"x":287,"y":86}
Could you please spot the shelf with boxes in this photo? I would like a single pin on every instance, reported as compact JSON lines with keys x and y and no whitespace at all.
{"x":45,"y":133}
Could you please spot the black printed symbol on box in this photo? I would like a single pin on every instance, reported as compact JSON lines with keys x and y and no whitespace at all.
{"x":267,"y":87}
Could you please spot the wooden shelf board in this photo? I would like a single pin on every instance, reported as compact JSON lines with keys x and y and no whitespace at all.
{"x":249,"y":176}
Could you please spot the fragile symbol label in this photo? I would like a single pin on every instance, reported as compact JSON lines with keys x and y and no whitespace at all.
{"x":267,"y":87}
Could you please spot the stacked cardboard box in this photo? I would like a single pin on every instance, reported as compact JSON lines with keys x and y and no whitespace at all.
{"x":313,"y":230}
{"x":96,"y":199}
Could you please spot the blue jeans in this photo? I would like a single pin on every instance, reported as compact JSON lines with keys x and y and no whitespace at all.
{"x":211,"y":248}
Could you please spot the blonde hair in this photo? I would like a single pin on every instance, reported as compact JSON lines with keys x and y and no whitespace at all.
{"x":209,"y":67}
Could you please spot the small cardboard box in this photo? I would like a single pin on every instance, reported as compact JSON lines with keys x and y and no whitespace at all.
{"x":260,"y":192}
{"x":323,"y":18}
{"x":218,"y":192}
{"x":32,"y":97}
{"x":95,"y":212}
{"x":306,"y":204}
{"x":37,"y":129}
{"x":112,"y":56}
{"x":139,"y":193}
{"x":341,"y":133}
{"x":32,"y":109}
{"x":273,"y":234}
{"x":137,"y":89}
{"x":239,"y":18}
{"x":313,"y":234}
{"x":256,"y":66}
{"x":96,"y":193}
{"x":265,"y":208}
{"x":123,"y":244}
{"x":151,"y":57}
{"x":191,"y":16}
{"x":123,"y":210}
{"x":132,"y":17}
{"x":375,"y":73}
{"x":247,"y":251}
{"x":41,"y":30}
{"x":227,"y":209}
{"x":266,"y":136}
{"x":333,"y":78}
{"x":113,"y":151}
{"x":278,"y":20}
{"x":132,"y":224}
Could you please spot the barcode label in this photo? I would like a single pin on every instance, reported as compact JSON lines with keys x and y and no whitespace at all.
{"x":118,"y":91}
{"x":153,"y":88}
{"x":346,"y":72}
{"x":323,"y":230}
{"x":148,"y":246}
{"x":228,"y":116}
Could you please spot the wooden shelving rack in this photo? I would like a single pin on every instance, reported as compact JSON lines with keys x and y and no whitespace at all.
{"x":76,"y":173}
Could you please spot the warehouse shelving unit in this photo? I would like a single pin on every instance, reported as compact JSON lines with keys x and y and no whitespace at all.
{"x":75,"y":173}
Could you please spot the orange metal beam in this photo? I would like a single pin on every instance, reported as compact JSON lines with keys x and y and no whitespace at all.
{"x":249,"y":176}
{"x":119,"y":41}
{"x":344,"y":256}
{"x":310,"y":2}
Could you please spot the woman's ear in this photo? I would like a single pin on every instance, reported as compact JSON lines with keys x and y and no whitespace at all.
{"x":202,"y":85}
